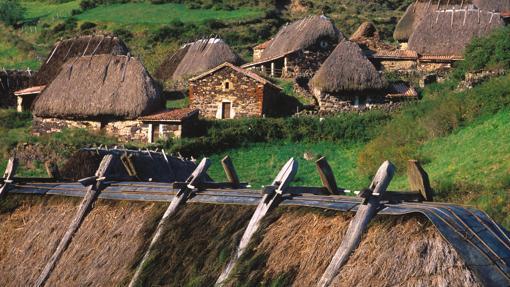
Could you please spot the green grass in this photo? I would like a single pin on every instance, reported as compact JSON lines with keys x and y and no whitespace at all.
{"x":146,"y":13}
{"x":44,"y":10}
{"x":178,"y":104}
{"x":258,"y":164}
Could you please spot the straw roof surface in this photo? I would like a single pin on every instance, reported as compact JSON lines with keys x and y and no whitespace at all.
{"x":448,"y":32}
{"x":93,"y":87}
{"x":75,"y":47}
{"x":195,"y":58}
{"x":347,"y":69}
{"x":300,"y":35}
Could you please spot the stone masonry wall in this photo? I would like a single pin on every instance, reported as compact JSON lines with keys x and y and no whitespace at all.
{"x":123,"y":130}
{"x":244,"y":93}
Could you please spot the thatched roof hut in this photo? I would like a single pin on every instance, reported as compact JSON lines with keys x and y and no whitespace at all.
{"x":195,"y":58}
{"x":301,"y":35}
{"x":347,"y":69}
{"x":448,"y":32}
{"x":100,"y":87}
{"x":76,"y":47}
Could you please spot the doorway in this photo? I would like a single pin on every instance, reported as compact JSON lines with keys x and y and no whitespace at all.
{"x":226,"y":108}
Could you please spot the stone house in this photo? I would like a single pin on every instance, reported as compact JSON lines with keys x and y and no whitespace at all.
{"x":228,"y":92}
{"x":102,"y":93}
{"x":175,"y":123}
{"x":298,"y":49}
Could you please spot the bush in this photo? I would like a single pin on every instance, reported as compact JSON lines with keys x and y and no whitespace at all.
{"x":87,"y":26}
{"x":11,"y":12}
{"x":87,"y":4}
{"x":123,"y":34}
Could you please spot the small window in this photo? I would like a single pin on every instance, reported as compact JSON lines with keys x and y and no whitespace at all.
{"x":324,"y":44}
{"x":227,"y":85}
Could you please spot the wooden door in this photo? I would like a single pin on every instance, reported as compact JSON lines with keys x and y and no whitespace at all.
{"x":225,"y":110}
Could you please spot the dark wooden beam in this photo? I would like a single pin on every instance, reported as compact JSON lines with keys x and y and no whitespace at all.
{"x":327,"y":176}
{"x":230,"y":171}
{"x":52,"y":170}
{"x":419,"y":180}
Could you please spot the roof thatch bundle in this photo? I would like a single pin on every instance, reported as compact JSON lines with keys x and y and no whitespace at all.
{"x":417,"y":11}
{"x":300,"y":35}
{"x":448,"y":32}
{"x":368,"y":37}
{"x":493,"y":5}
{"x":102,"y":86}
{"x":11,"y":81}
{"x":195,"y":58}
{"x":347,"y":69}
{"x":76,"y":47}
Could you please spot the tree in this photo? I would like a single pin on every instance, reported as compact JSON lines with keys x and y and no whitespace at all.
{"x":11,"y":12}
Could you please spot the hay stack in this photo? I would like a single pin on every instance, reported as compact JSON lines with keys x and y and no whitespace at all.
{"x":75,"y":47}
{"x":100,"y":87}
{"x":195,"y":58}
{"x":347,"y":69}
{"x":302,"y":34}
{"x":447,"y":33}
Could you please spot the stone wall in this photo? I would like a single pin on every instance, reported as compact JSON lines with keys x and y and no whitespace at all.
{"x":396,"y":66}
{"x":329,"y":103}
{"x":123,"y":130}
{"x":244,"y":93}
{"x":306,"y":63}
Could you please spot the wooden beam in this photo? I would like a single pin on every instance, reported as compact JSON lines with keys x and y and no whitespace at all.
{"x":270,"y":200}
{"x":10,"y":171}
{"x":419,"y":180}
{"x":230,"y":171}
{"x":91,"y":194}
{"x":366,"y":211}
{"x":52,"y":169}
{"x":327,"y":176}
{"x":179,"y":199}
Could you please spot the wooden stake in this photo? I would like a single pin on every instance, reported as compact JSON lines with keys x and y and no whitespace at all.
{"x":10,"y":171}
{"x":90,"y":196}
{"x":179,"y":199}
{"x":419,"y":180}
{"x":327,"y":176}
{"x":230,"y":171}
{"x":52,"y":169}
{"x":366,"y":211}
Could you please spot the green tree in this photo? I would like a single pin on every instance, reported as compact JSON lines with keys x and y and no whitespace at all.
{"x":11,"y":12}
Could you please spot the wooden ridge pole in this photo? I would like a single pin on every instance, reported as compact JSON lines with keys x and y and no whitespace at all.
{"x":366,"y":211}
{"x":91,"y":194}
{"x":327,"y":176}
{"x":180,"y":198}
{"x":419,"y":180}
{"x":10,"y":172}
{"x":271,"y":198}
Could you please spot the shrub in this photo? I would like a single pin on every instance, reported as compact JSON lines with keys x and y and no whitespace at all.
{"x":123,"y":34}
{"x":11,"y":12}
{"x":87,"y":26}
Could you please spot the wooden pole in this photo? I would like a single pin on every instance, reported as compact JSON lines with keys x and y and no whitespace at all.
{"x":270,"y":199}
{"x":179,"y":199}
{"x":366,"y":211}
{"x":52,"y":169}
{"x":10,"y":172}
{"x":91,"y":194}
{"x":230,"y":171}
{"x":419,"y":180}
{"x":327,"y":176}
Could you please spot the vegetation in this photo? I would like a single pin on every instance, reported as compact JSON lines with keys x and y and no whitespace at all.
{"x":11,"y":12}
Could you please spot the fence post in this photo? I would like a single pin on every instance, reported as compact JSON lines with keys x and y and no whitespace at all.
{"x":419,"y":180}
{"x":327,"y":176}
{"x":230,"y":171}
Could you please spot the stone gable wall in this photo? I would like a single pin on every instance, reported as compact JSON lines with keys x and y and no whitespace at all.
{"x":245,"y":94}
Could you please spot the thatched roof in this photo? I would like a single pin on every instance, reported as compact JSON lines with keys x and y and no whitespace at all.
{"x":301,"y":34}
{"x":448,"y":32}
{"x":368,"y":37}
{"x":347,"y":69}
{"x":493,"y":5}
{"x":195,"y":58}
{"x":93,"y":87}
{"x":75,"y":47}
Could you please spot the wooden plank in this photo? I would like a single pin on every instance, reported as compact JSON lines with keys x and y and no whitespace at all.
{"x":419,"y":180}
{"x":180,"y":198}
{"x":10,"y":171}
{"x":327,"y":176}
{"x":85,"y":206}
{"x":52,"y":170}
{"x":268,"y":201}
{"x":359,"y":223}
{"x":230,"y":171}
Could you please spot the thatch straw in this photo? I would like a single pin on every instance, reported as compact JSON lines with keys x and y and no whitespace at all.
{"x":300,"y":35}
{"x":448,"y":32}
{"x":96,"y":87}
{"x":75,"y":47}
{"x":195,"y":58}
{"x":347,"y":69}
{"x":493,"y":5}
